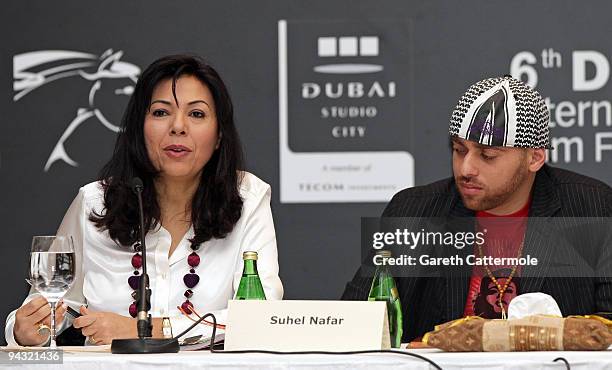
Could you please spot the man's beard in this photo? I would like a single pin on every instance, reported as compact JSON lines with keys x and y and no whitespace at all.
{"x":490,"y":201}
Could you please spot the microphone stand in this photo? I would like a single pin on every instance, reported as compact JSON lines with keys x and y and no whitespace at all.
{"x":145,"y":343}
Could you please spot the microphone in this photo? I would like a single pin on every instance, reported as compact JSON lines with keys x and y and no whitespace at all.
{"x":144,"y":343}
{"x":144,"y":320}
{"x":137,"y":185}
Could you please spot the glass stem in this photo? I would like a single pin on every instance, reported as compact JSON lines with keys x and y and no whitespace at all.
{"x":53,"y":344}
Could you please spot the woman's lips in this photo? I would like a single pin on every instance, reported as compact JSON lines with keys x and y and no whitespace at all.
{"x":176,"y":151}
{"x":176,"y":154}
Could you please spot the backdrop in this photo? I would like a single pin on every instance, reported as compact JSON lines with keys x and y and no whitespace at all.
{"x":340,"y":104}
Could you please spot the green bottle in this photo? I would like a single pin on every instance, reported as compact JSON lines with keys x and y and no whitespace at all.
{"x":250,"y":286}
{"x":384,"y":289}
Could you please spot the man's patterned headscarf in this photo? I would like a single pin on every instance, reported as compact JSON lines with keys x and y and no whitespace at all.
{"x":502,"y":111}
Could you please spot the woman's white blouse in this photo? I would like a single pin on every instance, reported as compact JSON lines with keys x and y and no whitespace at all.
{"x":103,"y":266}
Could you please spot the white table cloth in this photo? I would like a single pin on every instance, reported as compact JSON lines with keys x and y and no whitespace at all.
{"x":205,"y":360}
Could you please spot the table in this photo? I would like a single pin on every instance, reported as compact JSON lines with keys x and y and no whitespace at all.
{"x":205,"y":360}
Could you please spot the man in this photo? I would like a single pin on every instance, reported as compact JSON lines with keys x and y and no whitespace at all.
{"x":499,"y":133}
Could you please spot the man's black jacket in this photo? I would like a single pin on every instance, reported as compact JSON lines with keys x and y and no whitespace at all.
{"x":556,"y":195}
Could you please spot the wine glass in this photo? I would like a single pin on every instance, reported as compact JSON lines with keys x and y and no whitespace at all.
{"x":52,"y":270}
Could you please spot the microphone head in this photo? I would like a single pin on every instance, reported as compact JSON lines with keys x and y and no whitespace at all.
{"x":137,"y":185}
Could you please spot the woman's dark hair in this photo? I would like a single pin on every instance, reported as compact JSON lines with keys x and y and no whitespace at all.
{"x":216,"y":204}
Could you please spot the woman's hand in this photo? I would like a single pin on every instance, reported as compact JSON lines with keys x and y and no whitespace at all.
{"x":103,"y":327}
{"x":30,"y":316}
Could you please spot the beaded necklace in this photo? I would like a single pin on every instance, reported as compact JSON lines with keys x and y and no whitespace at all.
{"x":191,"y":279}
{"x":501,"y":290}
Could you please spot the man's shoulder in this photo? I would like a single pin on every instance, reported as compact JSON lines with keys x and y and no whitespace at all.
{"x":566,"y":178}
{"x":422,"y":200}
{"x":580,"y":195}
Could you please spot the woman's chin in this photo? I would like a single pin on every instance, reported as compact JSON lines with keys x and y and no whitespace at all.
{"x":178,"y":172}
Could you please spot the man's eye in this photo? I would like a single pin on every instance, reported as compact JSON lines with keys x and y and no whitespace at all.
{"x":459,"y":150}
{"x":487,"y":157}
{"x":198,"y":114}
{"x":159,"y":113}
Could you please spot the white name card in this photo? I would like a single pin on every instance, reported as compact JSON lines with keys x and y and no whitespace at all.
{"x":307,"y":325}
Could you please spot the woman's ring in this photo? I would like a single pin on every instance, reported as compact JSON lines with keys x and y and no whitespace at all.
{"x":43,"y":329}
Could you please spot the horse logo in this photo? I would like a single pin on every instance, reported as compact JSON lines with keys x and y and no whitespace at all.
{"x":34,"y":69}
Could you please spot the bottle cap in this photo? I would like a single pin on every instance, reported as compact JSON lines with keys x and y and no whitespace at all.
{"x":384,"y":253}
{"x":249,"y":255}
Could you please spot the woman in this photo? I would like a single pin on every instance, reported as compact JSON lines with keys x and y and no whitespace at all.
{"x":201,"y":213}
